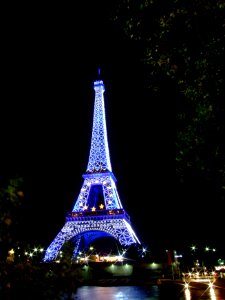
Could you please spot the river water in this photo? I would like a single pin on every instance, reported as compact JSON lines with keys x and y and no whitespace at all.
{"x":152,"y":292}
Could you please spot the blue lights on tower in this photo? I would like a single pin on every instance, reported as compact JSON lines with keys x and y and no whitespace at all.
{"x":98,"y":211}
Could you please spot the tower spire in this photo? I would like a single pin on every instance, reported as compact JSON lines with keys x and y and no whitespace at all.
{"x":99,"y":159}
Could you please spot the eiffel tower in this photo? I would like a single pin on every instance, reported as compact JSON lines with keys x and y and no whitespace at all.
{"x":98,"y":211}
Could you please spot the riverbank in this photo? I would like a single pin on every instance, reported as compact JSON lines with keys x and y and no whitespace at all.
{"x":44,"y":281}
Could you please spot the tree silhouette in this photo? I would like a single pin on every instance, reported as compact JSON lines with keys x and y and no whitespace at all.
{"x":182,"y":47}
{"x":11,"y":195}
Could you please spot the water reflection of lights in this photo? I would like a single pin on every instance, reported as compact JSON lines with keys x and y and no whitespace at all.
{"x":120,"y":295}
{"x":187,"y":292}
{"x":212,"y":293}
{"x":186,"y":285}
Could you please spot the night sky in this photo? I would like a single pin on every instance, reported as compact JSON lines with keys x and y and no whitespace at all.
{"x":51,"y":57}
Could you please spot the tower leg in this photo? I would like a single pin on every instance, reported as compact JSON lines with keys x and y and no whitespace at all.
{"x":76,"y":248}
{"x":53,"y":250}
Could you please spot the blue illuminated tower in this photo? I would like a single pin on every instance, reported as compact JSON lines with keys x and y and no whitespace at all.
{"x":98,"y":211}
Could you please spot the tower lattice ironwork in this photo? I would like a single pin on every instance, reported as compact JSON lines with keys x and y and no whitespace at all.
{"x":98,"y":211}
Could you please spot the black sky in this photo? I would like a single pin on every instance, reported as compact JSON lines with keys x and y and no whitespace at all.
{"x":50,"y":61}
